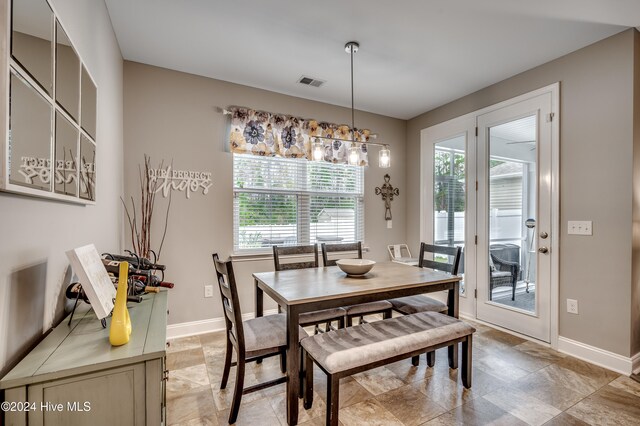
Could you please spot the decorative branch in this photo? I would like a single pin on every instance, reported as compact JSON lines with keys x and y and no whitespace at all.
{"x":141,"y":235}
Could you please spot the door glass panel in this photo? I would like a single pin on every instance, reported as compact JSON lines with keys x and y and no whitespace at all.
{"x":512,"y":213}
{"x":449,"y":197}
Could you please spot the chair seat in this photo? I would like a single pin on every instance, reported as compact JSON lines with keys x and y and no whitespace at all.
{"x":352,"y":347}
{"x":324,"y":315}
{"x":418,"y":303}
{"x":500,"y":274}
{"x":371,"y":307}
{"x":266,"y":335}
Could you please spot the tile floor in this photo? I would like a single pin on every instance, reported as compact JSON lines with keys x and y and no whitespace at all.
{"x":515,"y":382}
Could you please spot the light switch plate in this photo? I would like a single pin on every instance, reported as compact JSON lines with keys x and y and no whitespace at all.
{"x":580,"y":227}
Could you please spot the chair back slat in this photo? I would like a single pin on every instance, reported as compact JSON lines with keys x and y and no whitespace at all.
{"x":294,"y":252}
{"x":452,"y":253}
{"x":340,"y":248}
{"x":230,"y":301}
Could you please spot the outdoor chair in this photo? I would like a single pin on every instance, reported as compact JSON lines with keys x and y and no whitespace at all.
{"x":503,"y":273}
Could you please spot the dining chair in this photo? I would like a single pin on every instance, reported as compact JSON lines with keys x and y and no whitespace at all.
{"x":420,"y":303}
{"x":383,"y":307}
{"x":316,"y":318}
{"x":254,"y":339}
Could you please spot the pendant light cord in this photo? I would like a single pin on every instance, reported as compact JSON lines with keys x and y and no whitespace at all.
{"x":352,"y":102}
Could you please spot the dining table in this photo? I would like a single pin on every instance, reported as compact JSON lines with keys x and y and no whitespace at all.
{"x":306,"y":290}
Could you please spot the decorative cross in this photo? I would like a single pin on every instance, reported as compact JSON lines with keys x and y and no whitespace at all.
{"x":387,"y":191}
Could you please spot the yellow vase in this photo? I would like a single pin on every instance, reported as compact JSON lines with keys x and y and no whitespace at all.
{"x":120,"y":330}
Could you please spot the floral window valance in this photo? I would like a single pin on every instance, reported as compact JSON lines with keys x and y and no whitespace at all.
{"x":266,"y":134}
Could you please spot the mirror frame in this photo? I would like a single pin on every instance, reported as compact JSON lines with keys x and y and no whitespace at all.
{"x":8,"y":65}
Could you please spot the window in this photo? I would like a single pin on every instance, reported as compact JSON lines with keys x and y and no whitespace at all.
{"x":282,"y":201}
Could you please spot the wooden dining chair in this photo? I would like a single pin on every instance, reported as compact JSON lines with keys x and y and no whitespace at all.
{"x":356,"y":311}
{"x":420,"y":303}
{"x":282,"y":256}
{"x":254,"y":339}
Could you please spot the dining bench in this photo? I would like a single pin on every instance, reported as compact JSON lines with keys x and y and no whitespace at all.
{"x":341,"y":353}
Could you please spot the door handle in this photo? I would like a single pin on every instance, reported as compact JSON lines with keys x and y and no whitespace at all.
{"x":543,"y":250}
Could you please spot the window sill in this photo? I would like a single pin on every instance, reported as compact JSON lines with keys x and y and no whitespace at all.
{"x":258,"y":255}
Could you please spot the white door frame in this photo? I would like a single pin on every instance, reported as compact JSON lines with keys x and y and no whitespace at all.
{"x":467,"y":307}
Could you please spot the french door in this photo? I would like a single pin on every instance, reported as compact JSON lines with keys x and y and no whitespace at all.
{"x":489,"y":185}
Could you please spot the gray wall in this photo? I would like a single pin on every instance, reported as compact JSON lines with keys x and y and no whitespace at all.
{"x":36,"y":233}
{"x":635,"y":282}
{"x":172,"y":117}
{"x":596,"y":170}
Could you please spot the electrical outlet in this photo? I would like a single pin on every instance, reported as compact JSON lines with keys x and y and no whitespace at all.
{"x":389,"y":224}
{"x":580,"y":227}
{"x":572,"y":306}
{"x":208,"y":291}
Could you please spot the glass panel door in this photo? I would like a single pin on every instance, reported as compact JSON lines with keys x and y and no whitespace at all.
{"x":449,"y":196}
{"x":514,"y":217}
{"x":512,"y":213}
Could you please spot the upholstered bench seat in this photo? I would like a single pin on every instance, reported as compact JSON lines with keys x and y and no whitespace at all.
{"x":352,"y":347}
{"x":340,"y":353}
{"x":418,"y":303}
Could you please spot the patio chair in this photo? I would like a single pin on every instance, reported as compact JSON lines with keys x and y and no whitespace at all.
{"x":254,"y":339}
{"x":316,"y":318}
{"x":379,"y":307}
{"x":420,"y":303}
{"x":503,"y":273}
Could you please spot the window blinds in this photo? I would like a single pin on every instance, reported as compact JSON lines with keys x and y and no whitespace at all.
{"x":281,"y":201}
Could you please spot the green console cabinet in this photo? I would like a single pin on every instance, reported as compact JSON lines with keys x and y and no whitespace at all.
{"x":75,"y":377}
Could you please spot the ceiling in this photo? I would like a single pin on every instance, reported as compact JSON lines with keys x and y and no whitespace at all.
{"x":414,"y":55}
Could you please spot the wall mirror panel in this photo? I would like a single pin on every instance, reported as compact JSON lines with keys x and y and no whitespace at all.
{"x":48,"y":104}
{"x":88,"y":104}
{"x":66,"y":159}
{"x":67,"y":74}
{"x":87,"y":168}
{"x":30,"y":136}
{"x":32,"y":40}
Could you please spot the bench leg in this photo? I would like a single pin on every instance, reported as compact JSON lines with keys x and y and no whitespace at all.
{"x":333,"y":396}
{"x":453,"y":355}
{"x":307,"y":365}
{"x":466,"y":361}
{"x":387,"y":314}
{"x":431,"y":358}
{"x":415,"y":360}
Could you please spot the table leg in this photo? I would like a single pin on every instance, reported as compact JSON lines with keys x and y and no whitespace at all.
{"x":453,"y":300}
{"x":293,"y":365}
{"x":259,"y":299}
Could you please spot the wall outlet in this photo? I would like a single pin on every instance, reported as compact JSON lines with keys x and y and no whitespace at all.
{"x":580,"y":227}
{"x":208,"y":291}
{"x":572,"y":306}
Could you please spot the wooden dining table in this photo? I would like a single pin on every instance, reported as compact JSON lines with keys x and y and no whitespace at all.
{"x":305,"y":290}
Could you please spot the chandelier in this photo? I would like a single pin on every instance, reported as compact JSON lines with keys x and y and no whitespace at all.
{"x":384,"y":155}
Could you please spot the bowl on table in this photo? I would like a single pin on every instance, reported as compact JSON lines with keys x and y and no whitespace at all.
{"x":355,"y":267}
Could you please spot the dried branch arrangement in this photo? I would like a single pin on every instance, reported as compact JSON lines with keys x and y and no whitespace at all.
{"x":140,"y":225}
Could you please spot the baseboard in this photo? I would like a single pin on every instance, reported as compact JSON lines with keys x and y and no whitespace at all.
{"x":194,"y":328}
{"x":612,"y":361}
{"x":635,"y":363}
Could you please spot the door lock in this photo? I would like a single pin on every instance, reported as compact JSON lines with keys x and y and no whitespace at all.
{"x":544,"y":235}
{"x":543,"y":250}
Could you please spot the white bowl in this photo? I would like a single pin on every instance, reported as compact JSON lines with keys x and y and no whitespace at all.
{"x":355,"y":267}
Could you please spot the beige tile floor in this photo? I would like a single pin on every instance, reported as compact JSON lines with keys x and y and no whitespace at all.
{"x":515,"y":382}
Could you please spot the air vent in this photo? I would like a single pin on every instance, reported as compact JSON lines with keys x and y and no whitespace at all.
{"x":310,"y":81}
